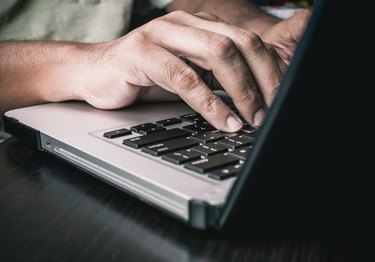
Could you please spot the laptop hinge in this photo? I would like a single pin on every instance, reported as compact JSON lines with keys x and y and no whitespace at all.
{"x":21,"y":131}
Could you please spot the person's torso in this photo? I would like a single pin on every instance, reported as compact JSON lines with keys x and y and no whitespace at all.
{"x":69,"y":20}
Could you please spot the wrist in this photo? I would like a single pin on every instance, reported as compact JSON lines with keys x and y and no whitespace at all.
{"x":72,"y":72}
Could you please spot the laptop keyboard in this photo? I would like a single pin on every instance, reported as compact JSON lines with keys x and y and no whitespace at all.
{"x":193,"y":143}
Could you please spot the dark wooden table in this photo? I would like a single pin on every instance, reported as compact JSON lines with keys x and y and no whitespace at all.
{"x":51,"y":211}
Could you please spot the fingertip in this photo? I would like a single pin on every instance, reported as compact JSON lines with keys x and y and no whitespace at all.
{"x":233,"y":124}
{"x":259,"y":117}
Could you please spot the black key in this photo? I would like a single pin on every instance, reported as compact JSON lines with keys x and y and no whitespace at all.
{"x":199,"y":127}
{"x":181,"y":157}
{"x":249,"y":129}
{"x":212,"y":162}
{"x":168,"y":146}
{"x":241,"y":152}
{"x":226,"y":172}
{"x":248,"y":135}
{"x":168,"y":122}
{"x":210,"y":149}
{"x":153,"y":138}
{"x":146,"y":131}
{"x":236,"y":141}
{"x":142,"y":126}
{"x":209,"y":136}
{"x":117,"y":133}
{"x":192,"y":118}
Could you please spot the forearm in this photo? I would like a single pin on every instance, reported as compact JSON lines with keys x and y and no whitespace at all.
{"x":38,"y":72}
{"x":238,"y":12}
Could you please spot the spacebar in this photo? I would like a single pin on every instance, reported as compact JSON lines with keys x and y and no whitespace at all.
{"x":140,"y":141}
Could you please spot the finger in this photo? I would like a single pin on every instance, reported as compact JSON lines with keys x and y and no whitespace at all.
{"x":282,"y":64}
{"x":262,"y":64}
{"x":218,"y":53}
{"x":171,"y":73}
{"x":279,"y":60}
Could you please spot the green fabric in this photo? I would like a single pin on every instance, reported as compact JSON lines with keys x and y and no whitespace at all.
{"x":71,"y":20}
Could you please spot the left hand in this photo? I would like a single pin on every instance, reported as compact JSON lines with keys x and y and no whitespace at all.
{"x":286,"y":34}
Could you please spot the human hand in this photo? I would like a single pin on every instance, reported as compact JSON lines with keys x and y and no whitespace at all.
{"x":285,"y":35}
{"x":135,"y":66}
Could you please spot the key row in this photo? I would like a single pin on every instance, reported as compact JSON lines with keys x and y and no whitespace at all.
{"x":198,"y":146}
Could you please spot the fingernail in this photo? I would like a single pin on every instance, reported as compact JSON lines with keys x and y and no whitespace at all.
{"x":259,"y":117}
{"x":234,"y":124}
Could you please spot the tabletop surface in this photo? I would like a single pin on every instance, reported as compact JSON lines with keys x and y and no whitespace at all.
{"x":52,"y":211}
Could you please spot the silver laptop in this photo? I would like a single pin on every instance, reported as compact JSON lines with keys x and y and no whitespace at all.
{"x":166,"y":155}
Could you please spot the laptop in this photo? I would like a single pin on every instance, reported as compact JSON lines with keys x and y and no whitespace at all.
{"x":167,"y":156}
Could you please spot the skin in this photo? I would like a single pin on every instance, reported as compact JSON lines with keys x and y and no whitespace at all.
{"x":283,"y":35}
{"x":168,"y":58}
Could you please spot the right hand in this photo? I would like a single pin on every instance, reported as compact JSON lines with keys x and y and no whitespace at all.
{"x":145,"y":64}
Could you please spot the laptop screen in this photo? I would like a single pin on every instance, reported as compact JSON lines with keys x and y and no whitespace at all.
{"x":292,"y":172}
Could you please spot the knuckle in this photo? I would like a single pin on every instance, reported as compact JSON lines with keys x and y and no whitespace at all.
{"x":252,"y":41}
{"x":224,"y":48}
{"x":249,"y":94}
{"x":137,"y":38}
{"x":210,"y":103}
{"x":272,"y":51}
{"x":243,"y":35}
{"x":184,"y":77}
{"x":278,"y":54}
{"x":155,"y":24}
